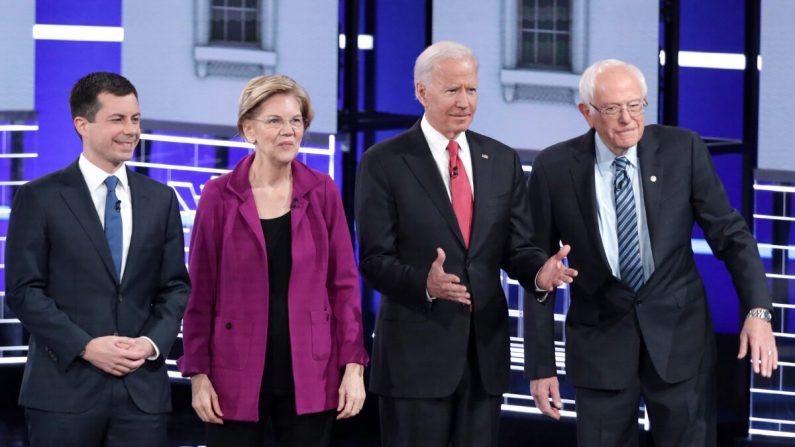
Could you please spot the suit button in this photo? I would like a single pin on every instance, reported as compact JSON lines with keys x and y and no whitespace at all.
{"x":120,"y":298}
{"x":229,"y":325}
{"x":115,"y":333}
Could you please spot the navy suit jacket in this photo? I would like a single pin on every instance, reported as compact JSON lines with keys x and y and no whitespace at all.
{"x":61,"y":283}
{"x":403,"y":213}
{"x":606,"y":321}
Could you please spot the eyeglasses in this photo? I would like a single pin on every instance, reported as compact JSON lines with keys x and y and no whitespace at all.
{"x":634,"y":108}
{"x":277,"y":122}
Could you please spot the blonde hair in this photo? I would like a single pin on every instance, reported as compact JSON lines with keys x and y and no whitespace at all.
{"x":261,"y":88}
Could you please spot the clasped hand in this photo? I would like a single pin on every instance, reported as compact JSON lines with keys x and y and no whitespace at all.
{"x":118,"y":356}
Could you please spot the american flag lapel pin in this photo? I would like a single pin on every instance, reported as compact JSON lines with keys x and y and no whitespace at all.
{"x":486,"y":156}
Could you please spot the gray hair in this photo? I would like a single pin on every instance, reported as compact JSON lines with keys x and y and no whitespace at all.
{"x":434,"y":54}
{"x":588,"y":78}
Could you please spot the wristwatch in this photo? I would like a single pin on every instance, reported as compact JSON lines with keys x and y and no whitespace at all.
{"x":761,"y":313}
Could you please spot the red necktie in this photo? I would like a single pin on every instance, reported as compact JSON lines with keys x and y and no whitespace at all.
{"x":460,"y":192}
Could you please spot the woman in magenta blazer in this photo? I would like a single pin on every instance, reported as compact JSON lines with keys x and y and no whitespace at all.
{"x":273,"y":328}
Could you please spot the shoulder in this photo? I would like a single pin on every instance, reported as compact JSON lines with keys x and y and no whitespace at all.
{"x":564,"y":150}
{"x":395,"y":146}
{"x":667,"y":134}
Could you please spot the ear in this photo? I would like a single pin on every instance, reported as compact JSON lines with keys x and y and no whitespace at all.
{"x":248,"y":131}
{"x":585,"y":109}
{"x":419,"y":92}
{"x":80,"y":124}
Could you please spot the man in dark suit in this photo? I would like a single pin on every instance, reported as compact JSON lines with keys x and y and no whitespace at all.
{"x":625,"y":197}
{"x":439,"y":211}
{"x":95,"y":271}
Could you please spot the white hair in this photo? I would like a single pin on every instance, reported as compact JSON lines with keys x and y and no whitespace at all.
{"x":588,"y":78}
{"x":431,"y":56}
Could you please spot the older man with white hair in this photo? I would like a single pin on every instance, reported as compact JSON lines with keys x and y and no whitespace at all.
{"x":625,"y":197}
{"x":440,"y":209}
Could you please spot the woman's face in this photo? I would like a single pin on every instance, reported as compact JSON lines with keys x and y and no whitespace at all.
{"x":277,"y":129}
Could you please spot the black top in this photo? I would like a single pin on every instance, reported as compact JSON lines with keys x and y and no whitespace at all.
{"x":278,"y":375}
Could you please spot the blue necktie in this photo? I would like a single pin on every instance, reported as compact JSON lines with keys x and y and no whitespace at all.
{"x":629,"y":261}
{"x":113,"y":229}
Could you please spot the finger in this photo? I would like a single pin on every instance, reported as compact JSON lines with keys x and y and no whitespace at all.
{"x":347,"y":411}
{"x":341,"y":401}
{"x":563,"y":252}
{"x":449,"y":278}
{"x":216,"y":406}
{"x":768,"y":363}
{"x":755,"y":360}
{"x":542,"y":402}
{"x":743,"y":346}
{"x":555,"y":392}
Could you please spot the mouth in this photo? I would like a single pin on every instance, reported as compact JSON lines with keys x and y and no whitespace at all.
{"x":127,"y":144}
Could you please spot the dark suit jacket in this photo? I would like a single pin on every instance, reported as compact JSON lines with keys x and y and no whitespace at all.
{"x":606,"y":321}
{"x":61,"y":283}
{"x":403,"y":214}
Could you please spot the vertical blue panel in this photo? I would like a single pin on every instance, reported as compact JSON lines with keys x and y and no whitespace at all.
{"x":398,"y":42}
{"x":713,"y":25}
{"x":711,"y":102}
{"x":79,"y":12}
{"x":59,"y":64}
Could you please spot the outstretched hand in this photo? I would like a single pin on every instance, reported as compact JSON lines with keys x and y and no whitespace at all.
{"x":554,"y":273}
{"x":445,"y":285}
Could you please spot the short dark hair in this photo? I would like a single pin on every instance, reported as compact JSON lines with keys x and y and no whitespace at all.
{"x":83,"y":98}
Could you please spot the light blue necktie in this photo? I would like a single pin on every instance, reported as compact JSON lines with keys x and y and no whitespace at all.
{"x":629,"y":261}
{"x":113,"y":228}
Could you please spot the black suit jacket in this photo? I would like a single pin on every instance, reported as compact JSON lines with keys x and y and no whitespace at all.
{"x":61,"y":283}
{"x":403,"y":214}
{"x":606,"y":321}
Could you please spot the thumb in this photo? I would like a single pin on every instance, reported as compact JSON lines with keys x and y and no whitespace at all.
{"x":440,"y":257}
{"x":743,"y":346}
{"x":563,"y":252}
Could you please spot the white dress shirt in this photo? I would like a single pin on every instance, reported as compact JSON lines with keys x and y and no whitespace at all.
{"x":95,"y":180}
{"x":604,"y":175}
{"x":438,"y":144}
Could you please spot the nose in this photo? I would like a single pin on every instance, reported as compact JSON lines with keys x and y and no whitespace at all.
{"x":462,"y":99}
{"x":131,"y":127}
{"x":624,"y":116}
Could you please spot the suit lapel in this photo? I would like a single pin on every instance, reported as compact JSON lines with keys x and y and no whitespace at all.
{"x":481,"y":178}
{"x":582,"y":177}
{"x":78,"y":199}
{"x":651,"y":167}
{"x":140,"y":220}
{"x":423,"y":166}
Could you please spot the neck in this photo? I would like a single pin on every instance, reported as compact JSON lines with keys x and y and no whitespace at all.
{"x":264,"y":172}
{"x":107,"y":166}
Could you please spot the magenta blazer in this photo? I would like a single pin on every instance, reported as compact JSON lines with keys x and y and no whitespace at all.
{"x":226,"y":322}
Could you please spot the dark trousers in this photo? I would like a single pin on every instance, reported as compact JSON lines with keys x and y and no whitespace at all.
{"x":469,"y":417}
{"x":289,"y":429}
{"x":115,"y":422}
{"x":681,"y":414}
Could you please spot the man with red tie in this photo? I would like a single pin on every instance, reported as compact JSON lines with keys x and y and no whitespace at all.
{"x":440,"y":210}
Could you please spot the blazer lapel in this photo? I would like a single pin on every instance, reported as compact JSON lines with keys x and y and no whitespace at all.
{"x":140,"y":221}
{"x":240,"y":187}
{"x":651,"y":170}
{"x":78,"y":199}
{"x":481,"y":179}
{"x":423,"y":166}
{"x":582,"y":177}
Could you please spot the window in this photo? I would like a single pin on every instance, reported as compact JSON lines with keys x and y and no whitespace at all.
{"x":544,"y":34}
{"x":235,"y":22}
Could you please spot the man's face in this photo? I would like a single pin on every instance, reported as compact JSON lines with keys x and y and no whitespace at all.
{"x":616,"y":86}
{"x":111,"y":138}
{"x":452,"y":96}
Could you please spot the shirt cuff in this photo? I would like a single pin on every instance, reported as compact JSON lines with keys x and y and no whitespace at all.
{"x":428,"y":296}
{"x":157,"y":351}
{"x":540,"y":298}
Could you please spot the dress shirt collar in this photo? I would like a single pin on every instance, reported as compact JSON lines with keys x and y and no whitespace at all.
{"x":95,"y":176}
{"x":438,"y":142}
{"x":605,"y":157}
